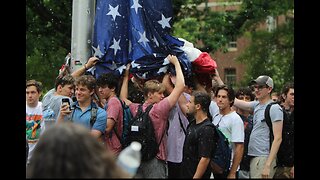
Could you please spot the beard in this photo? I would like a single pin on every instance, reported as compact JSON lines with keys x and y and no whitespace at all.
{"x":190,"y":116}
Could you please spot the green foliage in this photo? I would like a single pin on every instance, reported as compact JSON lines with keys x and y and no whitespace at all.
{"x":270,"y":54}
{"x":205,"y":28}
{"x":48,"y":38}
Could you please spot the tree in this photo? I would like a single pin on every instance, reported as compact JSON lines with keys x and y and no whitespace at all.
{"x":48,"y":38}
{"x":270,"y":53}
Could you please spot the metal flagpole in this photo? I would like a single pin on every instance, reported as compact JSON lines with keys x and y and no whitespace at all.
{"x":83,"y":12}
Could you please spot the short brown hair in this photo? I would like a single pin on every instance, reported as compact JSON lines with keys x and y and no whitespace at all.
{"x":64,"y":80}
{"x":35,"y":83}
{"x":86,"y":80}
{"x":152,"y":86}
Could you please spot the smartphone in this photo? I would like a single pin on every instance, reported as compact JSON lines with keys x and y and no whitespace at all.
{"x":66,"y":100}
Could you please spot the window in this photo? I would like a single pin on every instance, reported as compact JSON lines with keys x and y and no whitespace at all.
{"x":230,"y":76}
{"x":232,"y":46}
{"x":271,"y":23}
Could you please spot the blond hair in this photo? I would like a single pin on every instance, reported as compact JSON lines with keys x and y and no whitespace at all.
{"x":152,"y":86}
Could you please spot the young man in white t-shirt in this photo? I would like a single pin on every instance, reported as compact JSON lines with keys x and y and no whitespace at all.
{"x":34,"y":122}
{"x":231,"y":125}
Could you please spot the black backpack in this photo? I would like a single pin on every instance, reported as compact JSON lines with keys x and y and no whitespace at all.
{"x":268,"y":120}
{"x":285,"y":153}
{"x":141,"y":130}
{"x":221,"y":160}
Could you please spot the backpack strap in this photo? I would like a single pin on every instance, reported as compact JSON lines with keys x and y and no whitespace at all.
{"x":73,"y":107}
{"x":93,"y":117}
{"x":219,"y":120}
{"x":93,"y":112}
{"x":268,"y":120}
{"x":147,"y":113}
{"x":181,"y":125}
{"x":114,"y":126}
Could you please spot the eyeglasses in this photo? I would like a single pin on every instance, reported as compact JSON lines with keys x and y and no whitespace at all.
{"x":259,"y":87}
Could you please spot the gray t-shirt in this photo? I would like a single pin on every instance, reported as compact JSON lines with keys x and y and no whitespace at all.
{"x":259,"y":143}
{"x":53,"y":102}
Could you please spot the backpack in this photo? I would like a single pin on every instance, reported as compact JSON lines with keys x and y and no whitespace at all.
{"x":268,"y":120}
{"x":285,"y":155}
{"x":221,"y":160}
{"x":141,"y":130}
{"x":127,"y":117}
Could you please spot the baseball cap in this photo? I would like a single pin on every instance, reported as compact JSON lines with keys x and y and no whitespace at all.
{"x":263,"y":80}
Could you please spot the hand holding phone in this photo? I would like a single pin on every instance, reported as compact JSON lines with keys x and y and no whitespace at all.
{"x":66,"y":101}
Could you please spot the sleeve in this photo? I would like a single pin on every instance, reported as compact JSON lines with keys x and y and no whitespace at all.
{"x":101,"y":121}
{"x":161,"y":109}
{"x":114,"y":109}
{"x":237,"y":133}
{"x":276,"y":113}
{"x":253,"y":104}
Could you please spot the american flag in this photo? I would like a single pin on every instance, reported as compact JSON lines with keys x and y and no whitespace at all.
{"x":136,"y":32}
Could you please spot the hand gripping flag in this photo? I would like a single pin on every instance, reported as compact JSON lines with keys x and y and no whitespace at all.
{"x":136,"y":32}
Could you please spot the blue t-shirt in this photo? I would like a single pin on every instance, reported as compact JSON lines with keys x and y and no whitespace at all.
{"x":83,"y":118}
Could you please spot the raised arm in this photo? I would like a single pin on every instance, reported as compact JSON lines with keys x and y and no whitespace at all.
{"x":182,"y":101}
{"x":179,"y":86}
{"x":91,"y":62}
{"x":244,"y":105}
{"x":216,"y":78}
{"x":124,"y":86}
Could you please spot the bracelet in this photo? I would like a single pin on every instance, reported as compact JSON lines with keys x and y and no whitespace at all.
{"x":85,"y":67}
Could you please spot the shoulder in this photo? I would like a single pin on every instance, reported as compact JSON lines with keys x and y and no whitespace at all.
{"x":254,"y":104}
{"x":114,"y":100}
{"x":162,"y":107}
{"x":274,"y":107}
{"x":236,"y":117}
{"x":208,"y":127}
{"x":101,"y":111}
{"x":163,"y":102}
{"x":208,"y":124}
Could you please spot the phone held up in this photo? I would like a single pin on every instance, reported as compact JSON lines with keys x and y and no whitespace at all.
{"x":66,"y":100}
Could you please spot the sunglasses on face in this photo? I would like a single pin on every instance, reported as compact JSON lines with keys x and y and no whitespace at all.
{"x":259,"y":87}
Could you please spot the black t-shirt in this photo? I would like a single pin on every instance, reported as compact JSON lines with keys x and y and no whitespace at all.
{"x":248,"y":124}
{"x":199,"y":142}
{"x":285,"y":155}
